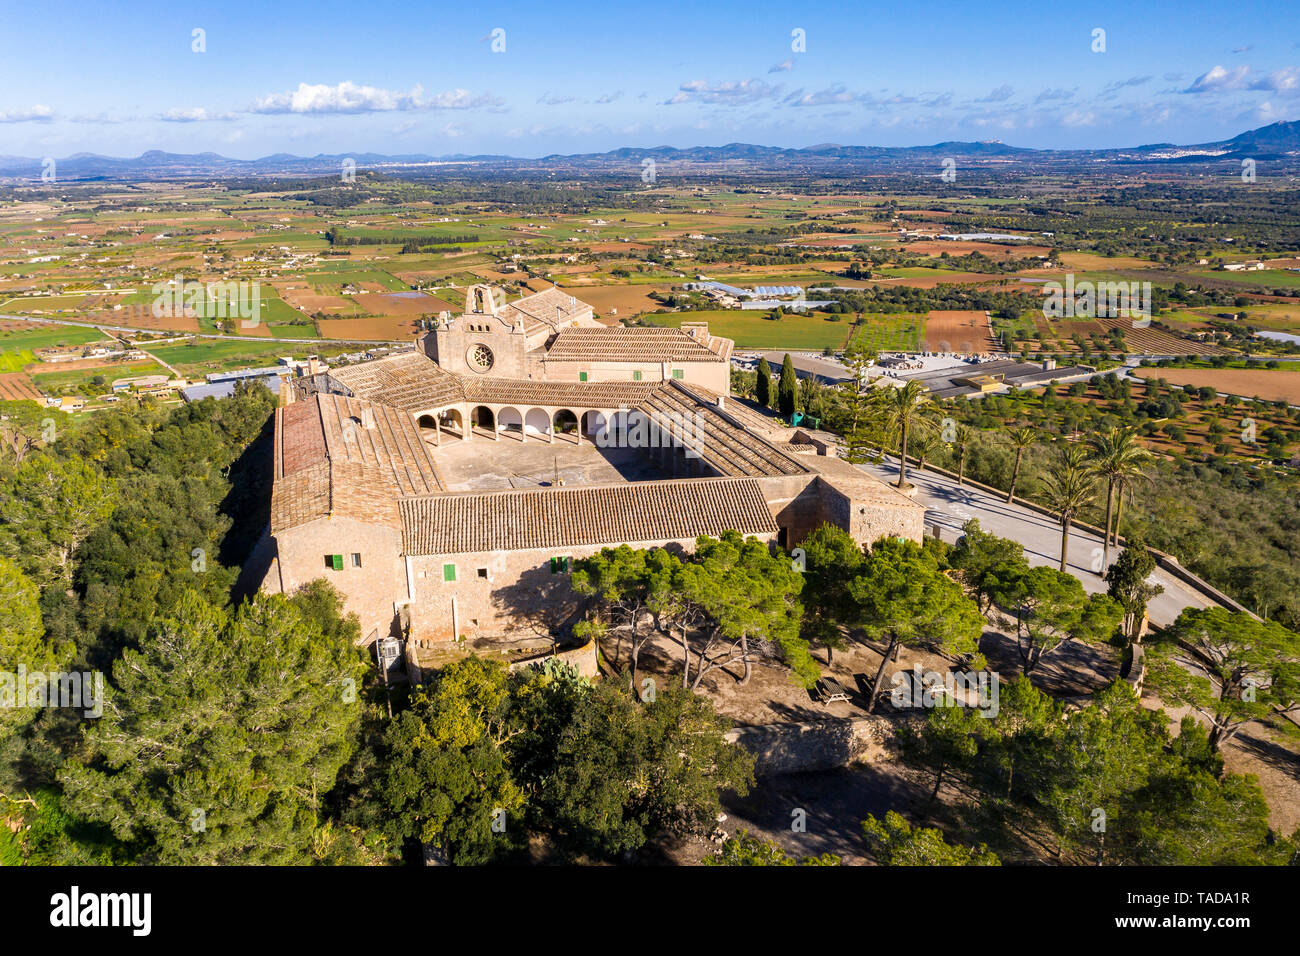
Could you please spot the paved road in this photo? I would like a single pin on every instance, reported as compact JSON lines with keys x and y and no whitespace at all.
{"x":949,"y":506}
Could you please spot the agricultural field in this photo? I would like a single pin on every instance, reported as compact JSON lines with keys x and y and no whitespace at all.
{"x":334,"y":274}
{"x":960,"y":331}
{"x":753,"y":329}
{"x":892,"y":333}
{"x":15,"y":386}
{"x":1271,"y":385}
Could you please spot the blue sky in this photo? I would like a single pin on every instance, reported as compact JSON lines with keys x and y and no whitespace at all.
{"x":391,"y":77}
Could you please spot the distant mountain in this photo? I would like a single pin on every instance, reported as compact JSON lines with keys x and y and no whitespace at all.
{"x":1274,"y":140}
{"x":1277,"y":142}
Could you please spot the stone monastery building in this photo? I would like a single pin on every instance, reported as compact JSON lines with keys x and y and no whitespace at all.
{"x":446,"y":491}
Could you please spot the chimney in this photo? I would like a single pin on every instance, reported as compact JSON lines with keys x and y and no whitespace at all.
{"x":722,"y":401}
{"x":367,"y":417}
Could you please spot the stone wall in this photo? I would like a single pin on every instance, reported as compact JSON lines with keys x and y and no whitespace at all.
{"x":796,"y":505}
{"x":371,"y":591}
{"x":868,"y":517}
{"x":818,"y":745}
{"x":449,"y":346}
{"x":715,"y":376}
{"x":501,"y":592}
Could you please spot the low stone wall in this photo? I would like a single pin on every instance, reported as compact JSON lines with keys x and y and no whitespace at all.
{"x":817,"y":745}
{"x":584,"y":658}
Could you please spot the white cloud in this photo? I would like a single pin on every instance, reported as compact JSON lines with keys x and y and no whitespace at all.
{"x":195,"y":114}
{"x":1219,"y":78}
{"x":33,"y":114}
{"x":785,"y":66}
{"x":730,"y":93}
{"x":830,"y":95}
{"x":1284,"y":80}
{"x":1053,"y":94}
{"x":348,"y":97}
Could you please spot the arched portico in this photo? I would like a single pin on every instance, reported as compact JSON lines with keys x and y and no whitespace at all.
{"x":594,"y":425}
{"x":565,"y":423}
{"x":483,"y":419}
{"x":538,"y":422}
{"x":510,"y":420}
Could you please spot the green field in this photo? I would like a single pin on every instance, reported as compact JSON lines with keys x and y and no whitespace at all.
{"x":754,"y":330}
{"x":77,"y":379}
{"x":13,"y":360}
{"x":42,"y":303}
{"x":44,"y":336}
{"x":892,"y":332}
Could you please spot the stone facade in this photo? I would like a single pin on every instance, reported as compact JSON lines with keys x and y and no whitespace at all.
{"x":495,"y":593}
{"x":374,"y":591}
{"x":359,"y":500}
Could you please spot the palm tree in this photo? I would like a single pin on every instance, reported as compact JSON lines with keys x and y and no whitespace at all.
{"x":1069,"y":487}
{"x":1120,"y":460}
{"x":960,"y":442}
{"x":1020,"y":438}
{"x":901,"y":413}
{"x":1124,"y":484}
{"x":923,"y":446}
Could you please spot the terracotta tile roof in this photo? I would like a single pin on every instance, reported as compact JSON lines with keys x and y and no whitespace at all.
{"x":550,"y":518}
{"x":859,"y":485}
{"x":408,"y":380}
{"x":338,"y":455}
{"x":553,"y":308}
{"x":628,"y":345}
{"x":584,"y":394}
{"x":720,"y":439}
{"x":301,"y":496}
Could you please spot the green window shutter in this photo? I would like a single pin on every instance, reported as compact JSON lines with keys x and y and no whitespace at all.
{"x":678,"y":373}
{"x":560,"y":565}
{"x":582,"y":376}
{"x":636,"y":376}
{"x":449,"y":572}
{"x":336,"y":562}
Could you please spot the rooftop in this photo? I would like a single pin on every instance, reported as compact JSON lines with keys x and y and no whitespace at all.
{"x":622,"y":344}
{"x":631,"y":512}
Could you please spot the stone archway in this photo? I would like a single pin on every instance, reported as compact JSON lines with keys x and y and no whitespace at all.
{"x":510,"y":420}
{"x":451,"y":420}
{"x":480,"y":416}
{"x":537,"y":422}
{"x":595,"y":425}
{"x":564,"y":422}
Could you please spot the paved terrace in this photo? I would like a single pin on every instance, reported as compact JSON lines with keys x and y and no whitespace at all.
{"x":949,"y":506}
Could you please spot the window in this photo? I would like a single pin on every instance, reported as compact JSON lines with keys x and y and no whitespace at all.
{"x":582,"y":376}
{"x":449,"y":572}
{"x":678,"y":373}
{"x":482,"y":572}
{"x":356,"y":559}
{"x":559,"y":565}
{"x":334,"y":562}
{"x":636,"y":376}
